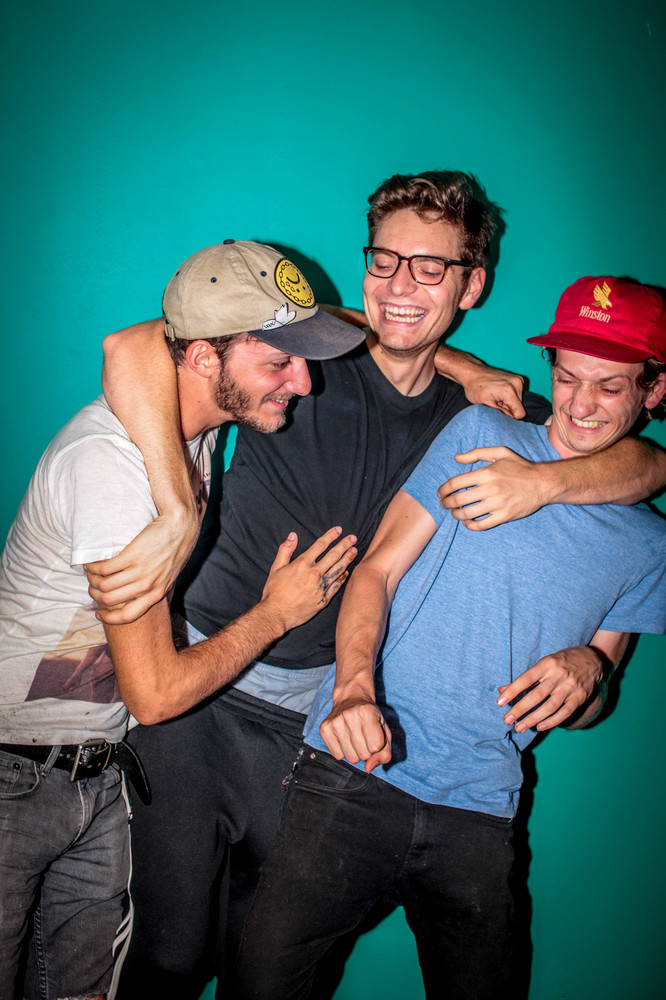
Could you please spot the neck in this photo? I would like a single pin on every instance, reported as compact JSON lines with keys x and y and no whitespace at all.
{"x":409,"y":373}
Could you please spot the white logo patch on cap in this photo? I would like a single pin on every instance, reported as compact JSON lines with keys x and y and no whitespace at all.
{"x":282,"y":316}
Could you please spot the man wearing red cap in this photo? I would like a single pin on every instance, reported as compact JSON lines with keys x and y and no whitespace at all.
{"x":69,"y":683}
{"x":470,"y":613}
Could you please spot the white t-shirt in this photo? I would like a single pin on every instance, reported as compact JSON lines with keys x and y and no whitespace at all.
{"x":88,"y":498}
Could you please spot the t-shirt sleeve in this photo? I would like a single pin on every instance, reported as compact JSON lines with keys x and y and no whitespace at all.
{"x":465,"y":431}
{"x":642,"y":608}
{"x":101,"y":496}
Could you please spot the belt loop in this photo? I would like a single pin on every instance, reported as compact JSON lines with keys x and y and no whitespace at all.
{"x":51,"y":759}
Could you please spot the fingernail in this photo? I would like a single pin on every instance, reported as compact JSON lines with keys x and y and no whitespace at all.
{"x":502,"y":700}
{"x":509,"y":719}
{"x":521,"y":727}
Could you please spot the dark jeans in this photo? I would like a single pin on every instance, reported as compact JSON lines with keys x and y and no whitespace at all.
{"x":216,"y":776}
{"x":348,"y":839}
{"x":64,"y":869}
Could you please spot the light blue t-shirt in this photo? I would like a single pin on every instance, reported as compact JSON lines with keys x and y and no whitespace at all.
{"x":480,"y":607}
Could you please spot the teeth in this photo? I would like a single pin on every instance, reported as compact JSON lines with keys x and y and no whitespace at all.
{"x":587,"y":423}
{"x":406,"y":314}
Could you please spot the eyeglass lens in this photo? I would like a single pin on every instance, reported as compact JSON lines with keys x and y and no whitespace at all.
{"x":425,"y":270}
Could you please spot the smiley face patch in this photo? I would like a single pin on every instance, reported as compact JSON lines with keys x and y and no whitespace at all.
{"x":291,"y":282}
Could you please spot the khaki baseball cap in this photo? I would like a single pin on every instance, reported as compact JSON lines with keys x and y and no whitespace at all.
{"x":244,"y":287}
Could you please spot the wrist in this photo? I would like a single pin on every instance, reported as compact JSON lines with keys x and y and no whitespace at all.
{"x":272,"y":618}
{"x":359,"y":688}
{"x":181,"y":516}
{"x":548,"y":482}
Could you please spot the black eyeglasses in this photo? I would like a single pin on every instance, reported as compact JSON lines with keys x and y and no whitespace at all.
{"x":383,"y":263}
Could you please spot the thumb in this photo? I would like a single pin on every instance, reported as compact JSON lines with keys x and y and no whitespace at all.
{"x":482,"y":455}
{"x":285,"y":551}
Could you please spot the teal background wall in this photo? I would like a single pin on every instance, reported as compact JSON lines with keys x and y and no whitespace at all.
{"x":136,"y":133}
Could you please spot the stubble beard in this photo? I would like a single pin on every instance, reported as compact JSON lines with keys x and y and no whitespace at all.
{"x":237,"y":402}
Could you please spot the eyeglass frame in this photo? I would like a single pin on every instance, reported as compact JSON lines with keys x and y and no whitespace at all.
{"x":446,"y":261}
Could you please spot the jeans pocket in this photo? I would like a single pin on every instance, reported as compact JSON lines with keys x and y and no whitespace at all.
{"x":18,"y":776}
{"x":318,"y":771}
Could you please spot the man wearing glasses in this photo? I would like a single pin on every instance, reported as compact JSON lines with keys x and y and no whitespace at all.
{"x":346,"y":450}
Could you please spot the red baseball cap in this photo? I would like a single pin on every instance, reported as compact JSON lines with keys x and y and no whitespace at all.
{"x":609,"y":318}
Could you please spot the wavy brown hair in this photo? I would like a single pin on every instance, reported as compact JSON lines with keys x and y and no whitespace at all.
{"x":449,"y":195}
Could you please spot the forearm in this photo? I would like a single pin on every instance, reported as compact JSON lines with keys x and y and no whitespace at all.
{"x":157,"y":682}
{"x":140,"y":386}
{"x":359,"y":633}
{"x":455,"y":364}
{"x":625,"y":473}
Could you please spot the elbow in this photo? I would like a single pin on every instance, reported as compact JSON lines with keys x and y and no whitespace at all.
{"x":110,"y":344}
{"x":147,"y":716}
{"x":149,"y":708}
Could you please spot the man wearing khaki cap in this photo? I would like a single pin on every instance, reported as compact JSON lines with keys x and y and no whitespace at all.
{"x":239,"y":319}
{"x":442,"y":717}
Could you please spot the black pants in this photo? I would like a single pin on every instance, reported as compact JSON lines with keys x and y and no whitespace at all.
{"x":346,"y":840}
{"x":216,"y":775}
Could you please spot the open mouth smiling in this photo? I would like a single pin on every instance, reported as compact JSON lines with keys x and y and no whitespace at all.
{"x":402,"y":314}
{"x":587,"y":424}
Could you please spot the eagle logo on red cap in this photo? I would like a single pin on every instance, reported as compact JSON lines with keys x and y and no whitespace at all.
{"x":602,"y":296}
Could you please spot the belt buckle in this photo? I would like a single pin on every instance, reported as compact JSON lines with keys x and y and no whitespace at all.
{"x":77,"y":759}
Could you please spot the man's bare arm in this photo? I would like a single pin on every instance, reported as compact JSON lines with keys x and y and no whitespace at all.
{"x":355,"y":728}
{"x":567,"y":688}
{"x":511,"y":487}
{"x":139,"y":382}
{"x":482,"y":384}
{"x":158,"y":682}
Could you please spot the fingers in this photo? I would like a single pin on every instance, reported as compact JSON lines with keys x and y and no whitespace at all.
{"x":358,"y":733}
{"x":330,"y":564}
{"x":113,"y":594}
{"x":503,"y":392}
{"x":551,"y":691}
{"x":318,"y":547}
{"x":335,"y":562}
{"x":106,"y":567}
{"x":125,"y":613}
{"x":511,"y":404}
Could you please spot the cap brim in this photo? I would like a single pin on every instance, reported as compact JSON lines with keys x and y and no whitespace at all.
{"x":594,"y":346}
{"x":317,"y":338}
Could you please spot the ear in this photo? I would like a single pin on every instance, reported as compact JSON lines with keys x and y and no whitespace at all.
{"x":477,"y":280}
{"x":201,"y":358}
{"x":656,"y":393}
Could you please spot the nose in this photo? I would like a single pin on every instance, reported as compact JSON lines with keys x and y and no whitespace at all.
{"x":402,"y":282}
{"x":299,"y":381}
{"x":583,"y":401}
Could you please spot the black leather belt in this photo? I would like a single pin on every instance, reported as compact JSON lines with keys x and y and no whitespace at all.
{"x":88,"y":760}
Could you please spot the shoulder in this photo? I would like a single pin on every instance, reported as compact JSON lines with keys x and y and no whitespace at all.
{"x":92,"y":435}
{"x":485,"y":425}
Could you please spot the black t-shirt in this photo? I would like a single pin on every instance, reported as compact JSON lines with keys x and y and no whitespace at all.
{"x":346,"y":450}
